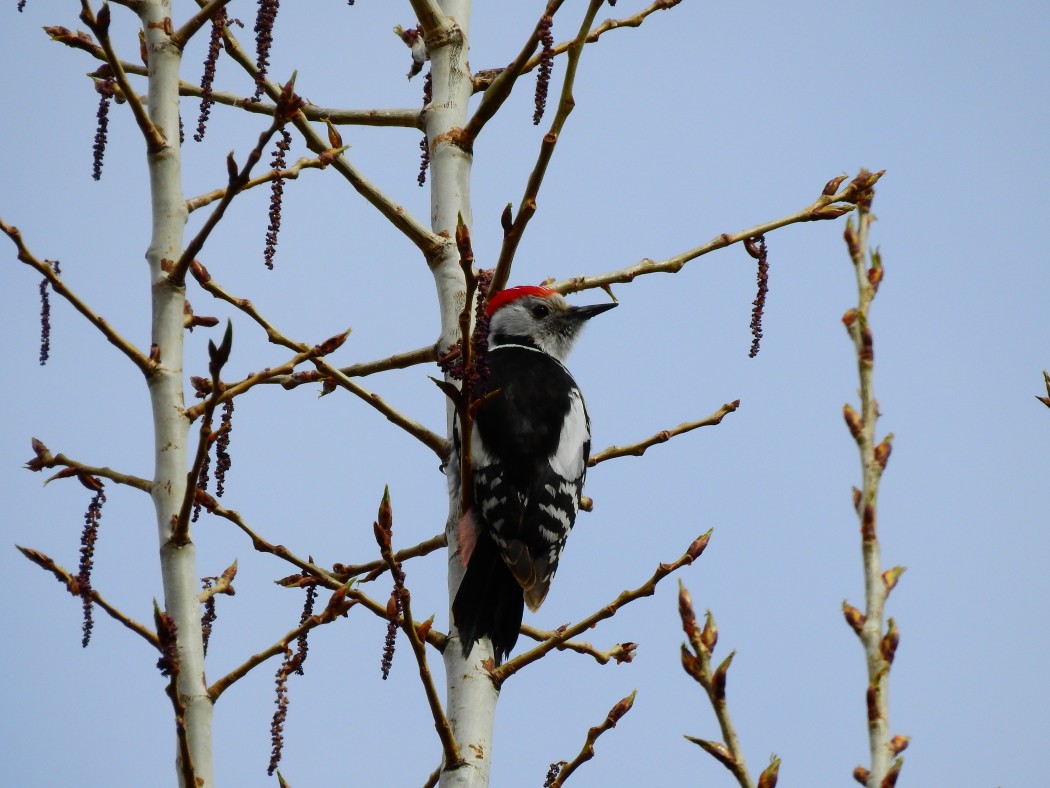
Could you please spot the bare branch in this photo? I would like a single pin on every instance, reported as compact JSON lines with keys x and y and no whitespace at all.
{"x":426,"y":241}
{"x":69,"y":580}
{"x":155,"y":140}
{"x":137,"y":357}
{"x":242,"y":670}
{"x":595,"y":33}
{"x":879,"y":645}
{"x":509,"y":668}
{"x":587,"y":752}
{"x":697,"y":663}
{"x":182,"y":36}
{"x":638,"y":449}
{"x":453,"y":757}
{"x":527,"y":207}
{"x":827,"y":206}
{"x":621,"y":652}
{"x":432,"y":440}
{"x":289,"y":174}
{"x":423,"y":355}
{"x":499,"y":90}
{"x":375,"y":569}
{"x":238,"y":180}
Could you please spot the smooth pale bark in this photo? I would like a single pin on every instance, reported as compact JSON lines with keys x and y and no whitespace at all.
{"x":171,"y":426}
{"x":471,"y":694}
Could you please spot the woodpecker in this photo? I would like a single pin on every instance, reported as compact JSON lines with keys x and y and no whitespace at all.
{"x":530,"y":445}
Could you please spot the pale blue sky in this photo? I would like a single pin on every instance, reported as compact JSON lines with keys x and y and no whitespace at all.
{"x":710,"y":118}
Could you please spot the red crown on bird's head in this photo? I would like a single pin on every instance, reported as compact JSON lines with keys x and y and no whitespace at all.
{"x":504,"y":297}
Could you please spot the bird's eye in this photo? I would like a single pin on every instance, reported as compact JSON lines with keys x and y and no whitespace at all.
{"x":541,"y":310}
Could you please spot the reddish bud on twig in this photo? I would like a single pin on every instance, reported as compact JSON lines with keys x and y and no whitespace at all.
{"x":891,"y":576}
{"x":853,"y":421}
{"x":718,"y":680}
{"x":709,"y":634}
{"x":424,"y":629}
{"x":832,"y":186}
{"x":852,"y":242}
{"x":622,"y":707}
{"x":43,"y":456}
{"x":853,"y":617}
{"x":691,"y":664}
{"x":849,"y":318}
{"x":685,"y":612}
{"x":332,"y":344}
{"x":827,"y":212}
{"x":860,"y":774}
{"x":890,"y":779}
{"x":768,"y":778}
{"x":899,"y":744}
{"x":335,"y":139}
{"x":872,"y":699}
{"x":867,"y":523}
{"x":882,"y":451}
{"x":890,"y":641}
{"x":696,"y":549}
{"x":875,"y":275}
{"x":718,"y":750}
{"x":856,"y":499}
{"x":288,"y":102}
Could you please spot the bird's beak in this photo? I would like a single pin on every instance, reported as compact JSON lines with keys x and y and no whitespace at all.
{"x":582,"y":313}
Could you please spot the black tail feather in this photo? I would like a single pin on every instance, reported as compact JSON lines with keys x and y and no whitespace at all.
{"x":489,"y":602}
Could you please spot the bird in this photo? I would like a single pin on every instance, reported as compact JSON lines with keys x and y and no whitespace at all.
{"x":530,"y":445}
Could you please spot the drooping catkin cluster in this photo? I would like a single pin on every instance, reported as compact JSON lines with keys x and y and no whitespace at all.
{"x":218,"y":23}
{"x":302,"y":645}
{"x":424,"y":144}
{"x":210,"y":614}
{"x":543,"y":74}
{"x":280,"y":716}
{"x":202,"y":484}
{"x":552,"y":774}
{"x":264,"y":19}
{"x":45,"y":315}
{"x":756,"y":247}
{"x":223,"y":461}
{"x":106,"y":88}
{"x":278,"y":163}
{"x":88,"y":538}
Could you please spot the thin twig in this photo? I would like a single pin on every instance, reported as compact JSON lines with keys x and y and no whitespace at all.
{"x":697,"y":663}
{"x":827,"y":206}
{"x":288,"y":174}
{"x":595,"y":33}
{"x":155,"y":140}
{"x":527,"y":207}
{"x":587,"y":751}
{"x":879,"y":645}
{"x":638,"y":449}
{"x":182,"y":36}
{"x":648,"y":588}
{"x":499,"y":90}
{"x":137,"y":357}
{"x":238,"y":179}
{"x":65,"y":577}
{"x":453,"y":756}
{"x":621,"y":652}
{"x":423,"y":355}
{"x":44,"y":459}
{"x":375,"y":569}
{"x":323,"y":576}
{"x":430,"y":439}
{"x":242,"y":670}
{"x":425,"y":240}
